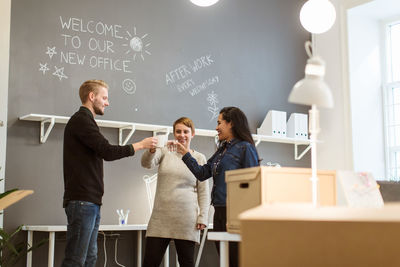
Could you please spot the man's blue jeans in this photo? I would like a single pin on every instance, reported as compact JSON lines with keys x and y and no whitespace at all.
{"x":83,"y":226}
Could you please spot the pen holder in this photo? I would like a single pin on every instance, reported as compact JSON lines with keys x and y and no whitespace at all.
{"x":122,"y":217}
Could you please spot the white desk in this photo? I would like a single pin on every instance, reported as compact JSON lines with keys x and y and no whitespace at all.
{"x":51,"y":229}
{"x":224,"y":238}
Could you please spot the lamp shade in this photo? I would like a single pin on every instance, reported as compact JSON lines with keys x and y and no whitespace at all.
{"x":204,"y":3}
{"x":312,"y":90}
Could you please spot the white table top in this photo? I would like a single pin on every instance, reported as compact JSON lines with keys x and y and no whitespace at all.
{"x":223,"y":236}
{"x":63,"y":228}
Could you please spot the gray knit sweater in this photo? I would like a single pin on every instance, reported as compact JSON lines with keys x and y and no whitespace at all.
{"x":180,"y":201}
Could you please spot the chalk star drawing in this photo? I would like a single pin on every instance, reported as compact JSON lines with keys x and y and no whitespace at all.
{"x":43,"y":68}
{"x":212,"y":99}
{"x":51,"y":51}
{"x":60,"y":73}
{"x":129,"y":86}
{"x":136,"y":44}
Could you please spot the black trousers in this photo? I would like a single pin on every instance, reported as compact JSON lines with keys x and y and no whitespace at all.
{"x":155,"y":250}
{"x":219,"y":222}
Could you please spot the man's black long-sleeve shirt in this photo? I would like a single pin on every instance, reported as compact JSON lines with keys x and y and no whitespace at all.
{"x":84,"y":150}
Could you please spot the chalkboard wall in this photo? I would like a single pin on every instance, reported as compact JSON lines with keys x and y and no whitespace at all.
{"x":163,"y":59}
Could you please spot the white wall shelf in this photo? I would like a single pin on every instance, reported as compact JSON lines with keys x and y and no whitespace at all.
{"x":133,"y":126}
{"x":285,"y":140}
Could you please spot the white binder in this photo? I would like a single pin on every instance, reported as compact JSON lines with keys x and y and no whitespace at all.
{"x":274,"y":124}
{"x":297,"y":126}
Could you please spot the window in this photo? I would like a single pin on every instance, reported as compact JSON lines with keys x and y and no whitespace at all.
{"x":391,"y":86}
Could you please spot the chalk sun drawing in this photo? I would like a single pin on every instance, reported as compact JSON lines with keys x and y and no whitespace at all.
{"x":59,"y":72}
{"x":136,"y":44}
{"x":129,"y":86}
{"x":43,"y":68}
{"x":51,"y":51}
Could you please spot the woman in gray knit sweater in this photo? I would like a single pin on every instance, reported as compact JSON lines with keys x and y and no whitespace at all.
{"x":181,"y":202}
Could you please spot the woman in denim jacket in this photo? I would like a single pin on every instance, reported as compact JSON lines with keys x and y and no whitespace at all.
{"x":236,"y":151}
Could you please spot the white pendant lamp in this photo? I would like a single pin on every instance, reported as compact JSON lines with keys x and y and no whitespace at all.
{"x":317,"y":16}
{"x":204,"y":3}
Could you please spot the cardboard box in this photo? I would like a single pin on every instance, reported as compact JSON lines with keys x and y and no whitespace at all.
{"x":250,"y":187}
{"x":290,"y":235}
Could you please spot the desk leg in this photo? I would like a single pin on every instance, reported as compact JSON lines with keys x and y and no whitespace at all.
{"x":50,"y":262}
{"x":224,"y":256}
{"x":166,"y":257}
{"x":139,"y":248}
{"x":203,"y":240}
{"x":29,"y":255}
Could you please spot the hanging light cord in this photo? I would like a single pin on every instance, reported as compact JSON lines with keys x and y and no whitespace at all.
{"x":308,"y":47}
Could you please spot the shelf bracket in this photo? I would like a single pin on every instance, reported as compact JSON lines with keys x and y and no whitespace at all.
{"x":44,"y":134}
{"x":298,"y":157}
{"x":258,"y":141}
{"x":132,"y":129}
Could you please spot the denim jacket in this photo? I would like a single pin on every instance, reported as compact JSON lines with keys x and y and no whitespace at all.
{"x":231,"y":155}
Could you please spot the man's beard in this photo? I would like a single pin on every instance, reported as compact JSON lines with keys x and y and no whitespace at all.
{"x":97,"y":110}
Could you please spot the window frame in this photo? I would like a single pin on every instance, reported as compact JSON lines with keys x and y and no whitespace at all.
{"x":392,"y":169}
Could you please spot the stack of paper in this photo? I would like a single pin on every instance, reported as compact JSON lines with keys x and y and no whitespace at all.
{"x":274,"y":124}
{"x":297,"y":126}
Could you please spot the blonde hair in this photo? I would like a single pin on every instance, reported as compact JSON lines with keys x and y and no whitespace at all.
{"x":90,"y":86}
{"x":185,"y":121}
